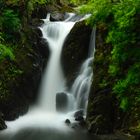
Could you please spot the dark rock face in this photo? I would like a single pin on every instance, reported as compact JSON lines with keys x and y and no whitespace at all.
{"x":101,"y":115}
{"x":101,"y":107}
{"x":61,"y":101}
{"x":75,"y":50}
{"x":67,"y":121}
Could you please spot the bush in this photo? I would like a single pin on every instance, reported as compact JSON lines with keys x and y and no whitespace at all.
{"x":10,"y":21}
{"x":6,"y":52}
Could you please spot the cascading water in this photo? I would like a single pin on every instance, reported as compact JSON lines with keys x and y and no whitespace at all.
{"x":43,"y":119}
{"x":55,"y":34}
{"x":81,"y":86}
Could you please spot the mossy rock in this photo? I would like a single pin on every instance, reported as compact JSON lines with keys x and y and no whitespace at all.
{"x":21,"y":78}
{"x":101,"y":101}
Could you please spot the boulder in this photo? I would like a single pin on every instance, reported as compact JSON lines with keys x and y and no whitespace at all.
{"x":61,"y":101}
{"x":78,"y":115}
{"x":79,"y":118}
{"x":67,"y":121}
{"x":57,"y":16}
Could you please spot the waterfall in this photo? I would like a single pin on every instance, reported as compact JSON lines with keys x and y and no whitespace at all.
{"x":53,"y":81}
{"x":55,"y":34}
{"x":43,"y":120}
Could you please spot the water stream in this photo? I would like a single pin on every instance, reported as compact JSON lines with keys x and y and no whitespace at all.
{"x":55,"y":34}
{"x":44,"y":121}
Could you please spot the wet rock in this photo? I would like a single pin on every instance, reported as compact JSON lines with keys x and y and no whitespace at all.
{"x":57,"y":16}
{"x":61,"y":101}
{"x":79,"y":113}
{"x":79,"y":118}
{"x":67,"y":121}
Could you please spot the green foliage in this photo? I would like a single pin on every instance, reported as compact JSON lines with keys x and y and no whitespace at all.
{"x":10,"y":21}
{"x":121,"y":18}
{"x":103,"y":84}
{"x":13,"y":2}
{"x":41,"y":1}
{"x":33,"y":3}
{"x":78,"y":2}
{"x":100,"y":9}
{"x":124,"y":104}
{"x":6,"y":52}
{"x":1,"y":37}
{"x":75,"y":1}
{"x":129,"y":87}
{"x":14,"y":71}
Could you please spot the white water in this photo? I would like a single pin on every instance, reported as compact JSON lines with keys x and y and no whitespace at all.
{"x":81,"y":86}
{"x":55,"y":34}
{"x":43,"y":116}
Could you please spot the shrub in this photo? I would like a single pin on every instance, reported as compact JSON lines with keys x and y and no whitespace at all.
{"x":10,"y":21}
{"x":6,"y":53}
{"x":121,"y":18}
